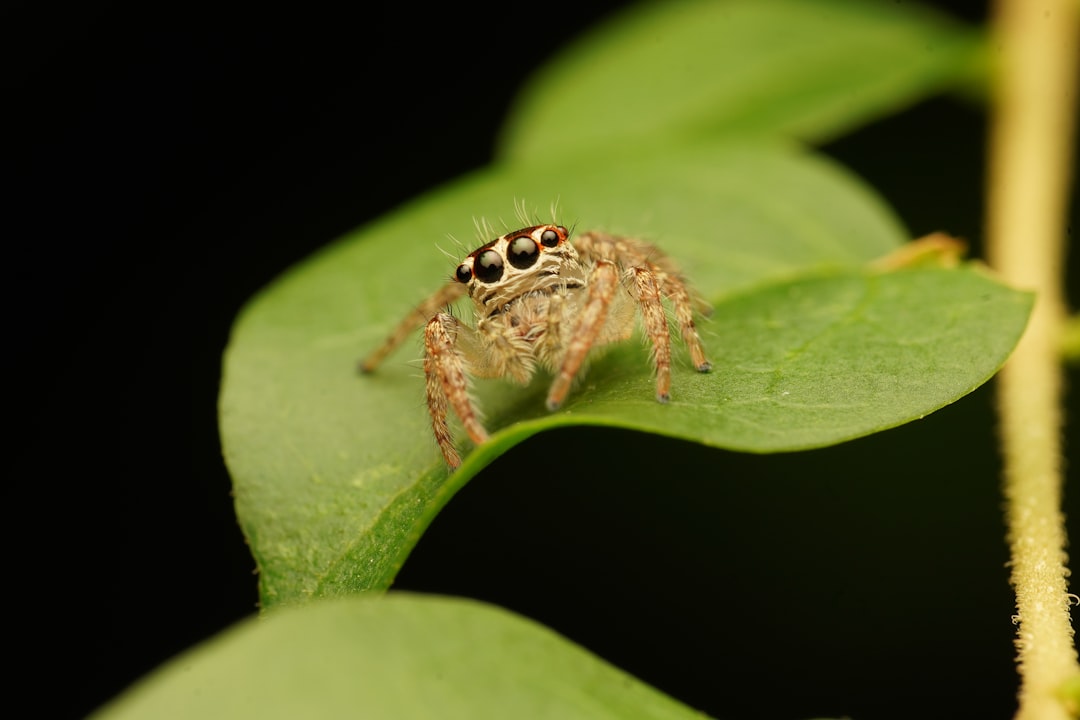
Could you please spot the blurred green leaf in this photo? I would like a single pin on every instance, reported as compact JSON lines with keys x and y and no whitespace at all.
{"x":395,"y":656}
{"x":780,"y":68}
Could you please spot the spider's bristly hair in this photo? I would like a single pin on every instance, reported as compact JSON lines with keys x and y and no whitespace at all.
{"x":454,"y":257}
{"x":651,"y":254}
{"x":521,"y":212}
{"x":555,"y":210}
{"x":485,"y":231}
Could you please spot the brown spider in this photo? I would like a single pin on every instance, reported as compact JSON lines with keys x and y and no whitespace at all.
{"x":542,"y":302}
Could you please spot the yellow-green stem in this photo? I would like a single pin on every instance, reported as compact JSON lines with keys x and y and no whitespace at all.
{"x":1030,"y":152}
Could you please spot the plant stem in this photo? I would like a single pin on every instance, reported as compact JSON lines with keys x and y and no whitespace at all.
{"x":1029,"y":176}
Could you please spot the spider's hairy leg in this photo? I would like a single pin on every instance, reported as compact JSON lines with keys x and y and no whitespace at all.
{"x":683,"y":304}
{"x":447,"y":294}
{"x":625,"y":251}
{"x":447,"y":385}
{"x":655,"y":321}
{"x":603,"y":284}
{"x":629,"y":252}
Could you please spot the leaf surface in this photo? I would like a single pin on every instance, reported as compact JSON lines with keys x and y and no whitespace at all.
{"x":783,"y":68}
{"x":336,"y":474}
{"x":396,"y":656}
{"x":643,"y":129}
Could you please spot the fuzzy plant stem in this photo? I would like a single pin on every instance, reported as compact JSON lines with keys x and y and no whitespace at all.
{"x":1035,"y":97}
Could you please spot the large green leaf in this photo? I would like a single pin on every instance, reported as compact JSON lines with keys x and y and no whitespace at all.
{"x":809,"y":69}
{"x":336,"y":474}
{"x":394,"y":656}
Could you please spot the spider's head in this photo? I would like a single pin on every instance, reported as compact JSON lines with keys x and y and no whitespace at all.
{"x":530,"y":259}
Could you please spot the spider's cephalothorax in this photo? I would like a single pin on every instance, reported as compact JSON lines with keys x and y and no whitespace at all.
{"x":542,"y":301}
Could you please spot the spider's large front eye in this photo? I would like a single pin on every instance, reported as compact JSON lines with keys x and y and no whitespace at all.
{"x":463,"y":273}
{"x":549,"y":238}
{"x":488,"y":266}
{"x":522,"y":252}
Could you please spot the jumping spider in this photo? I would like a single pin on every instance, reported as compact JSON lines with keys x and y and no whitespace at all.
{"x":541,"y":301}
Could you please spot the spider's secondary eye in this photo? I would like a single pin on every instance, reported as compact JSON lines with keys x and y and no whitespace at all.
{"x":463,"y":273}
{"x":549,"y":238}
{"x":488,"y":266}
{"x":522,"y":252}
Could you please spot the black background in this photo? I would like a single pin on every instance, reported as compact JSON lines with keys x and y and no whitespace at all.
{"x":166,"y":163}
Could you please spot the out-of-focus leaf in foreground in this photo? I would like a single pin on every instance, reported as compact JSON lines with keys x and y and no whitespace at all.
{"x":395,"y":656}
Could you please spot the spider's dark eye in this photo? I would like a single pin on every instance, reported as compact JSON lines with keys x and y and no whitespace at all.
{"x":549,"y":238}
{"x":522,"y":252}
{"x":488,"y":266}
{"x":463,"y":273}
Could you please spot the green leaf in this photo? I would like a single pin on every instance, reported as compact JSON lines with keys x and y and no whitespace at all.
{"x":336,"y":475}
{"x":803,"y":363}
{"x":765,"y":67}
{"x":395,"y":656}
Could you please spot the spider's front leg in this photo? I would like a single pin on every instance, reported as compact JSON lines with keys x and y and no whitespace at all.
{"x":445,"y":295}
{"x":447,"y":385}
